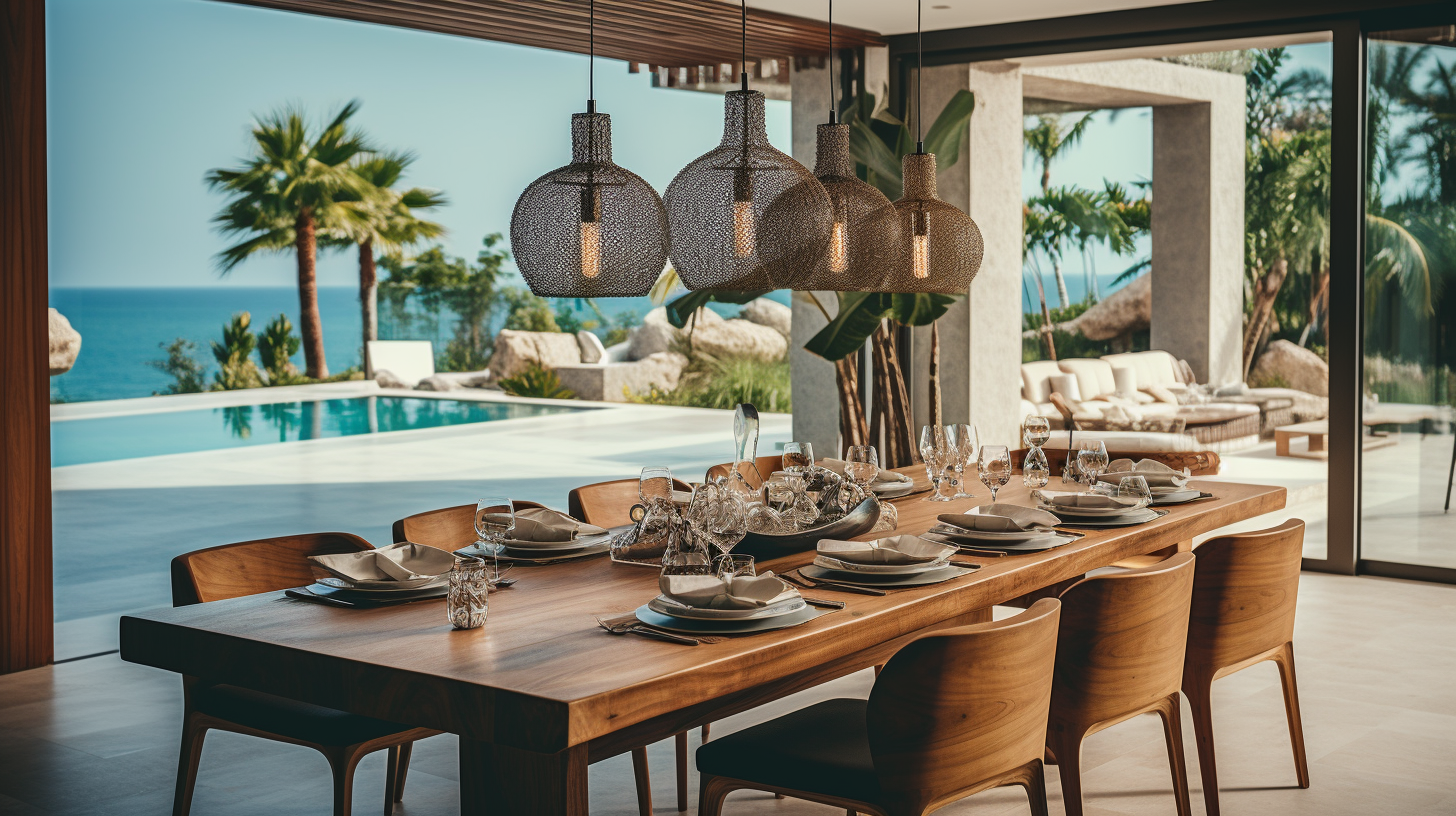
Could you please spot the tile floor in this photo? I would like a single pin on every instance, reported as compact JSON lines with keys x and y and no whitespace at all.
{"x":1376,"y":660}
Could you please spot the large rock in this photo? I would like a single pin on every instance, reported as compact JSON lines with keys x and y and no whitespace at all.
{"x":739,"y":338}
{"x":657,"y":335}
{"x":612,"y":383}
{"x":1127,"y":310}
{"x":436,"y":383}
{"x":516,"y":350}
{"x":1293,"y":367}
{"x":387,"y":379}
{"x":769,"y":313}
{"x":65,"y":343}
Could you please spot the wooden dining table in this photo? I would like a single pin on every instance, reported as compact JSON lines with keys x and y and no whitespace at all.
{"x":541,"y":690}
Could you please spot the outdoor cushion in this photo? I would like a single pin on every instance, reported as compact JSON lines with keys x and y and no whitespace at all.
{"x":1035,"y":379}
{"x":1093,"y":376}
{"x":1154,"y":367}
{"x":1068,"y":386}
{"x":1160,"y":393}
{"x":824,"y":748}
{"x":1130,"y":441}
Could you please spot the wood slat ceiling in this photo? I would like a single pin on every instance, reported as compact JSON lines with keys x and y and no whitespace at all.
{"x":671,"y":33}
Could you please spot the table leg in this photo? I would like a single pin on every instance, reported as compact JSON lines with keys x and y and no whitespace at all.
{"x":502,"y":781}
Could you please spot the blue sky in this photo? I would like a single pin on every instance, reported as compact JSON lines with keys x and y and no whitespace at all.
{"x":145,"y":96}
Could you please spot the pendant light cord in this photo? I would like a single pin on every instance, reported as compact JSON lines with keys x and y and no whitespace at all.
{"x":591,"y":82}
{"x":833,"y":108}
{"x":743,"y":53}
{"x":919,"y":79}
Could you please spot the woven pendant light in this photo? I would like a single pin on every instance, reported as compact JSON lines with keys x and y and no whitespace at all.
{"x":864,"y":232}
{"x":744,"y":215}
{"x":941,"y":247}
{"x":590,"y":229}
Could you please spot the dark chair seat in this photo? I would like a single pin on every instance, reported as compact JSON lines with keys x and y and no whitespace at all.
{"x":824,"y":748}
{"x":289,"y":718}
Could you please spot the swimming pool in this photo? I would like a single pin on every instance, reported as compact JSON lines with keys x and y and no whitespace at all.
{"x":103,"y":439}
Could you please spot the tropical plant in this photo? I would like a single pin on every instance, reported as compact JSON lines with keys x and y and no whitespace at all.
{"x":276,"y":347}
{"x":526,"y":312}
{"x":710,"y":382}
{"x":291,"y":188}
{"x":536,"y":381}
{"x":879,"y":140}
{"x":234,"y":356}
{"x":1048,"y":139}
{"x":382,"y":220}
{"x":189,"y":375}
{"x":467,"y":290}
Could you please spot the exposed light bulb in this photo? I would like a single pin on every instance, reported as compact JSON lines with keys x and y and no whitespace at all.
{"x":745,"y":228}
{"x":839,"y":248}
{"x":920,"y":246}
{"x":591,"y":232}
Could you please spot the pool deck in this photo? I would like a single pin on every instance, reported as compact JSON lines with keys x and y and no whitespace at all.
{"x":119,"y":523}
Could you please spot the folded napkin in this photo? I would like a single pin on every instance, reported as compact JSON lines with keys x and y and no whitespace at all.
{"x":1060,"y":499}
{"x":900,"y":549}
{"x":545,"y":524}
{"x":1002,"y":518}
{"x":737,"y":592}
{"x":885,"y":477}
{"x":397,"y":562}
{"x":1156,"y":473}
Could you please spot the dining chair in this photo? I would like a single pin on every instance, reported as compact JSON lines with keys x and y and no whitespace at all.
{"x":1244,"y":592}
{"x":609,"y":504}
{"x":1120,"y":654}
{"x":267,"y":565}
{"x":448,"y":528}
{"x":754,"y":474}
{"x":954,"y":712}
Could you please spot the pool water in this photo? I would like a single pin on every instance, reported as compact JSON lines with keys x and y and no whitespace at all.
{"x":80,"y":441}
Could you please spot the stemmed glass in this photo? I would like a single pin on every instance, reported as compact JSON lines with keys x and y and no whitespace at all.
{"x":1091,"y":460}
{"x":1135,"y":487}
{"x":962,"y":439}
{"x":798,"y":457}
{"x":938,"y":457}
{"x":495,"y":516}
{"x":862,"y":465}
{"x":1035,"y":470}
{"x":995,"y":467}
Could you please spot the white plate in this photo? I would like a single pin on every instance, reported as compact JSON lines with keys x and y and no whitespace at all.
{"x":386,"y":587}
{"x":893,"y":491}
{"x":1091,"y":512}
{"x":727,"y":627}
{"x":1031,"y":540}
{"x":663,"y":605}
{"x":1142,"y":516}
{"x":1178,"y":496}
{"x":1008,"y":536}
{"x":829,"y":562}
{"x":578,"y":543}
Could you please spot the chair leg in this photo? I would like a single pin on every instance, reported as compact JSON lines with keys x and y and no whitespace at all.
{"x":1035,"y":785}
{"x":644,"y":782}
{"x":1285,"y":659}
{"x":711,"y":793}
{"x":706,"y":726}
{"x":1069,"y":762}
{"x":187,"y":762}
{"x":680,"y":742}
{"x":391,"y":779}
{"x":1173,"y":731}
{"x":1199,"y":691}
{"x":404,"y":761}
{"x":342,"y":763}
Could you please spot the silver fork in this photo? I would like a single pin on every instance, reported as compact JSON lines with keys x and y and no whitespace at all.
{"x":637,"y":628}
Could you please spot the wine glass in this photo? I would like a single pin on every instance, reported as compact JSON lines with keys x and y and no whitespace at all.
{"x":862,"y":465}
{"x":1135,"y":487}
{"x":962,"y":438}
{"x":1091,"y":460}
{"x":1035,"y":470}
{"x":995,"y":466}
{"x":494,"y":517}
{"x":937,"y":457}
{"x":1036,"y":431}
{"x":654,"y":484}
{"x":734,"y":565}
{"x":798,"y":457}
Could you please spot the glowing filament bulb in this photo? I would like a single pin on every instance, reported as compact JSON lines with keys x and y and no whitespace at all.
{"x":839,"y":248}
{"x":920,"y":246}
{"x":745,"y":229}
{"x":591,"y":232}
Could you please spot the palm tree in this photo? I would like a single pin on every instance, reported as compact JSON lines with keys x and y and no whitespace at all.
{"x":383,"y":220}
{"x":290,"y":188}
{"x":1046,"y":140}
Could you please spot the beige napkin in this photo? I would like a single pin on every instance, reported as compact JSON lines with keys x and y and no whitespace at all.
{"x":900,"y":549}
{"x":544,"y":524}
{"x":737,"y":592}
{"x":1156,"y":473}
{"x":397,"y":562}
{"x":1059,"y":498}
{"x":1001,"y":518}
{"x":884,"y":479}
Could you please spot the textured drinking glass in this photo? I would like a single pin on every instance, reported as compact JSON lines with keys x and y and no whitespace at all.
{"x":995,"y":467}
{"x":1035,"y":470}
{"x":732,"y":565}
{"x":469,"y":595}
{"x":654,"y":483}
{"x":862,"y":465}
{"x":937,"y":456}
{"x":963,"y":439}
{"x":1134,"y":487}
{"x":1091,"y":460}
{"x":798,"y":457}
{"x":495,"y":516}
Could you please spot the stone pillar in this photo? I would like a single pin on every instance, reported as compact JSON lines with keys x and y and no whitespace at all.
{"x":1198,"y":226}
{"x":980,"y":337}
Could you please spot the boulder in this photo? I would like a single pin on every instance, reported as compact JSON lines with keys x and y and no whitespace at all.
{"x":1292,"y":366}
{"x":662,"y":369}
{"x":1127,"y":310}
{"x":657,"y":335}
{"x":740,"y":338}
{"x":386,"y":379}
{"x":516,"y":350}
{"x":769,"y":313}
{"x":437,"y":383}
{"x":612,"y":383}
{"x":592,"y":350}
{"x":65,"y":343}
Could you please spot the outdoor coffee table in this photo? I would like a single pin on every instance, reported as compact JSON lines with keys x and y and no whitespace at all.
{"x":541,"y":691}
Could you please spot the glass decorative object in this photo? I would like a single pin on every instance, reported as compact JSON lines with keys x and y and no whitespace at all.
{"x":468,"y":597}
{"x":591,"y":228}
{"x":744,"y":215}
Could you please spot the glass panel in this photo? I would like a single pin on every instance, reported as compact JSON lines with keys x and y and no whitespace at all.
{"x":1410,"y":305}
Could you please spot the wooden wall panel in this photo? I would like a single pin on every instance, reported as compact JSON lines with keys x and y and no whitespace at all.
{"x":25,"y":456}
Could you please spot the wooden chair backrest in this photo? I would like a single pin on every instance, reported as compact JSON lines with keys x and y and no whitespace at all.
{"x":609,"y":504}
{"x":754,"y":474}
{"x":1120,"y":648}
{"x":1199,"y":463}
{"x":956,"y":709}
{"x":1244,"y":593}
{"x":448,"y":528}
{"x":251,"y":567}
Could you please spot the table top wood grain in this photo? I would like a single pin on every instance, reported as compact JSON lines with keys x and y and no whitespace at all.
{"x":541,"y":674}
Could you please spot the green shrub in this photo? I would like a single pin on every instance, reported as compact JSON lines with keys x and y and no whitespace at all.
{"x":1269,"y":381}
{"x":527,"y":312}
{"x":189,"y":375}
{"x":709,"y":382}
{"x":234,"y":355}
{"x":276,"y":345}
{"x":538,"y":382}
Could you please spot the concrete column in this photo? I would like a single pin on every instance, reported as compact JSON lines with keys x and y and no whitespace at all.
{"x":980,"y":337}
{"x":1198,"y":225}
